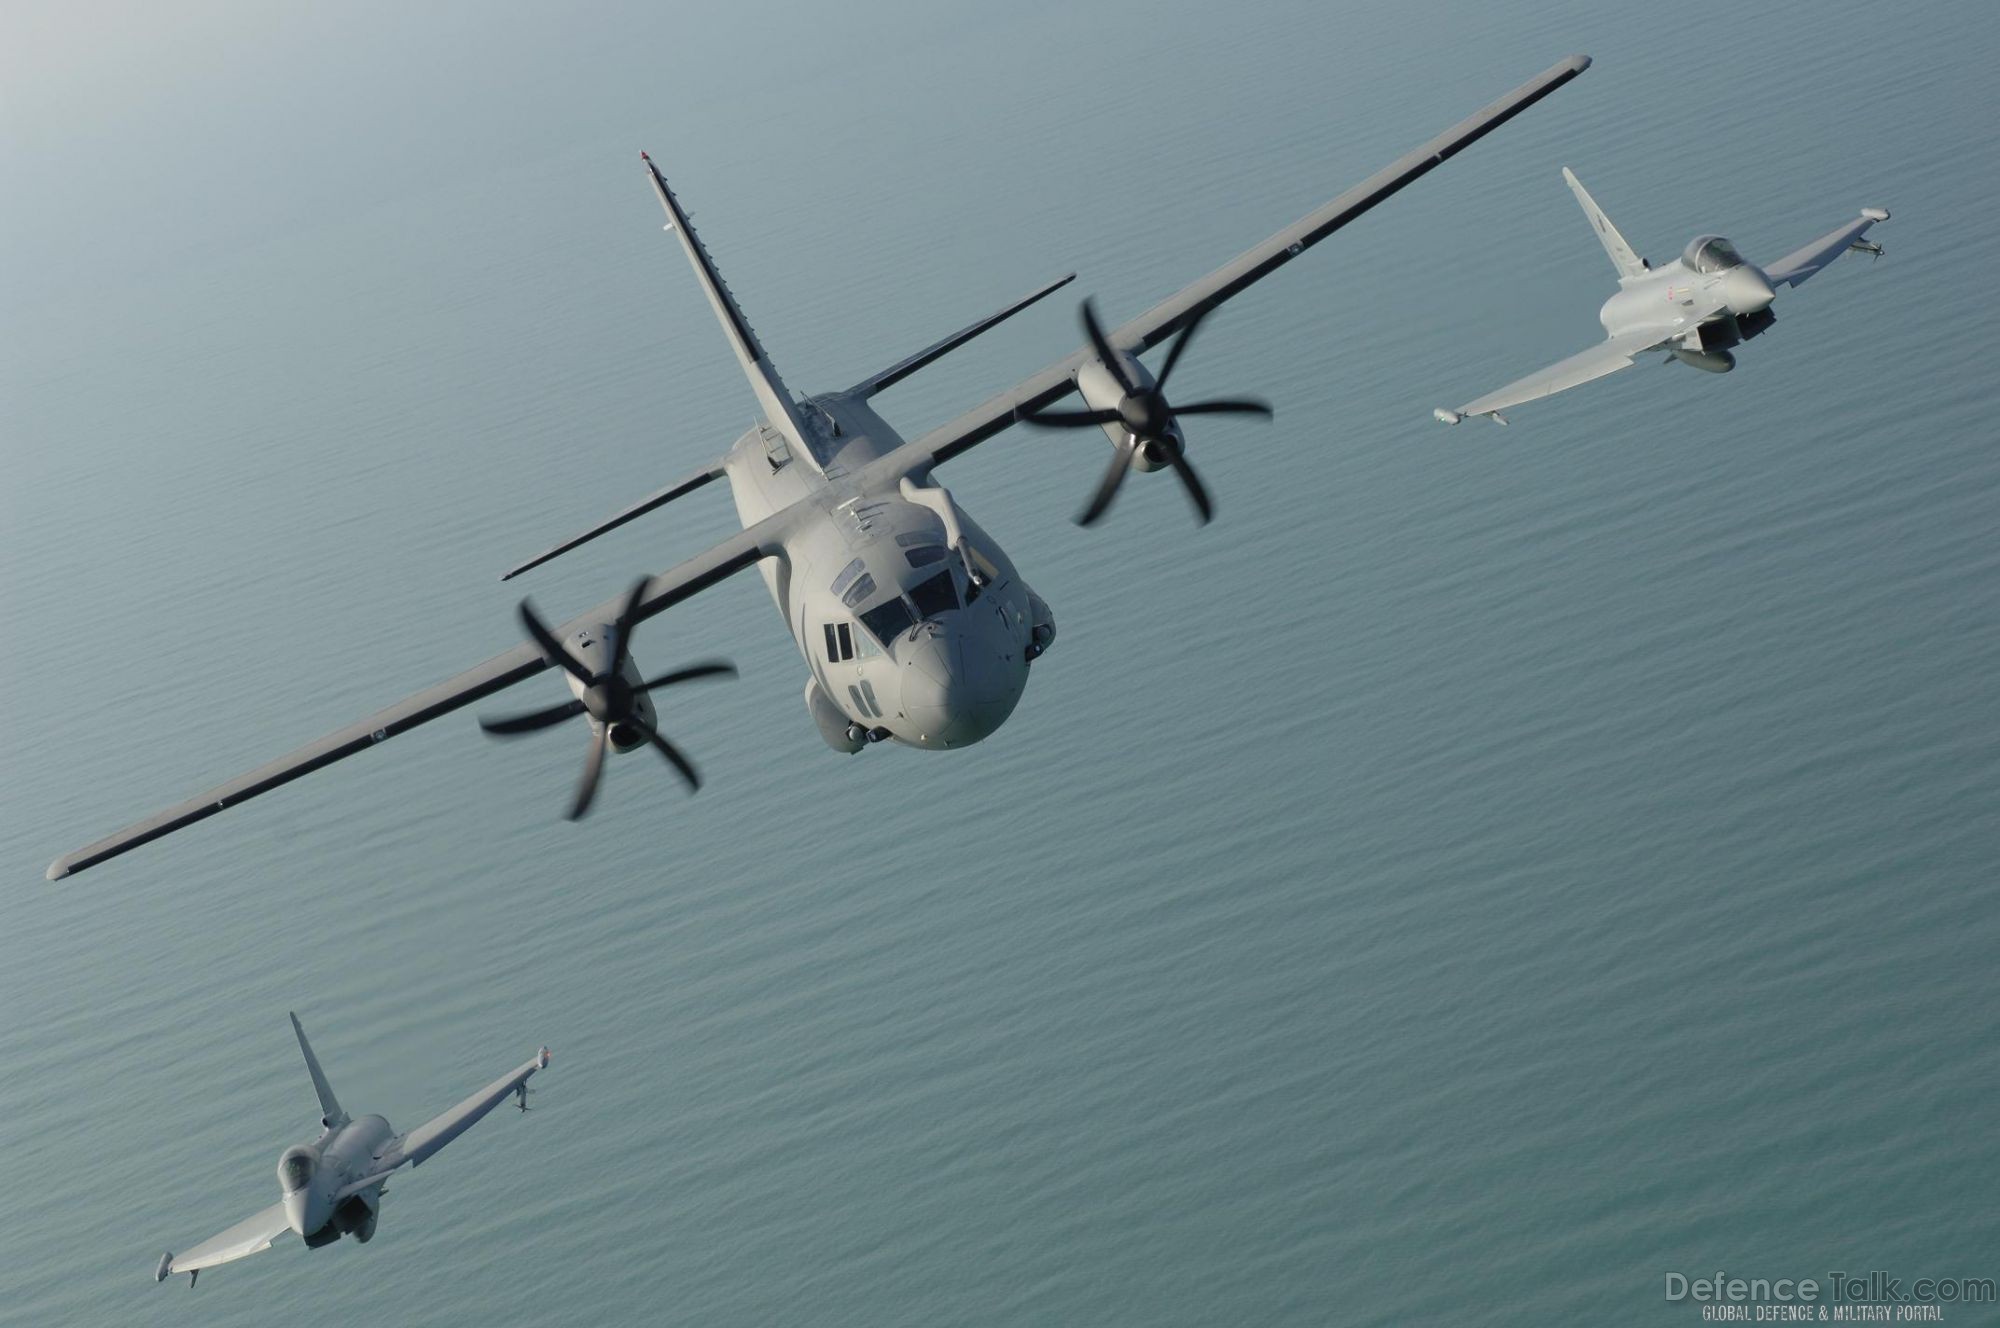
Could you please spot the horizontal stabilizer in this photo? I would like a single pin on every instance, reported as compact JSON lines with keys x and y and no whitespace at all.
{"x":897,"y":372}
{"x":636,"y":510}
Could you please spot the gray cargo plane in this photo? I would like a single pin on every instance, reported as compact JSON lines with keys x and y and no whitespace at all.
{"x":914,"y":625}
{"x":1696,"y":308}
{"x":333,"y":1186}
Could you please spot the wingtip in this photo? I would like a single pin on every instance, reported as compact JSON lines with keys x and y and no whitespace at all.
{"x":57,"y":869}
{"x":1579,"y":62}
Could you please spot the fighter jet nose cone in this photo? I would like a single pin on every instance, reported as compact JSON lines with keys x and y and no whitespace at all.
{"x":957,"y":688}
{"x":1749,"y":291}
{"x":296,"y":1206}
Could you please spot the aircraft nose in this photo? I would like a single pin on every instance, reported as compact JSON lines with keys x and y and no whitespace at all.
{"x":1749,"y":290}
{"x":957,"y":686}
{"x":298,"y":1211}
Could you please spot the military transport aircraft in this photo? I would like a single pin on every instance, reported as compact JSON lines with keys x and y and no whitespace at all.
{"x":1695,"y":308}
{"x":914,"y":625}
{"x":333,"y":1186}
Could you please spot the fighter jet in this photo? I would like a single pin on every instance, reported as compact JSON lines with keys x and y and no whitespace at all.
{"x":1696,"y":308}
{"x":333,"y":1186}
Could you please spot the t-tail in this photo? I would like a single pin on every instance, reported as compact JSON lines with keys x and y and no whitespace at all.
{"x":330,"y":1113}
{"x":771,"y":392}
{"x":1622,"y":255}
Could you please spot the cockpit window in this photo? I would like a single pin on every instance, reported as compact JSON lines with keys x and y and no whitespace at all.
{"x":1711,"y":253}
{"x":862,"y":588}
{"x":888,"y":618}
{"x":924,"y":554}
{"x":909,"y":537}
{"x":295,"y":1171}
{"x":938,"y":594}
{"x":847,"y":575}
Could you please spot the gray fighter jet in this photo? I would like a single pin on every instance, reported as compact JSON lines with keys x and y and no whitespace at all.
{"x":914,"y":625}
{"x":333,"y":1186}
{"x":1697,"y":308}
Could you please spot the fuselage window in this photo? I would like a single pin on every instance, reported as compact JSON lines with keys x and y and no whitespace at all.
{"x":888,"y":618}
{"x":860,"y":590}
{"x":938,"y":594}
{"x":847,"y":575}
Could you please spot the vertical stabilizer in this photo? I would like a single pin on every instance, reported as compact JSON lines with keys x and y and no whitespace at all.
{"x":329,"y":1105}
{"x":757,"y":367}
{"x":1628,"y":263}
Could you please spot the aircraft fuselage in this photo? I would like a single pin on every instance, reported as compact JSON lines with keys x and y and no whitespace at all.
{"x":907,"y":637}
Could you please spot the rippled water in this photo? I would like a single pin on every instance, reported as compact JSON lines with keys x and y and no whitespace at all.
{"x":1483,"y":872}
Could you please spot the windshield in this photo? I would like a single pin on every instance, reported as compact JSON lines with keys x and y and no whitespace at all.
{"x":295,"y":1171}
{"x":1711,"y":253}
{"x":937,"y":595}
{"x":887,"y":618}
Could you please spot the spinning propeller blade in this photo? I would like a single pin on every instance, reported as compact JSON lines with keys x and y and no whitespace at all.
{"x":1148,"y":419}
{"x":608,"y":699}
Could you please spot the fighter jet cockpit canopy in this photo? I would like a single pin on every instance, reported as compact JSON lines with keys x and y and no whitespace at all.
{"x":1708,"y":254}
{"x":295,"y":1169}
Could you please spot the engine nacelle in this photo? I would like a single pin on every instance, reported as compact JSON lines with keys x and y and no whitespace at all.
{"x":1101,"y":391}
{"x":1708,"y":361}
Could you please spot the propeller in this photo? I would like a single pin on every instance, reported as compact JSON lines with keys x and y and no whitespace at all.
{"x":1147,"y":417}
{"x":607,"y":698}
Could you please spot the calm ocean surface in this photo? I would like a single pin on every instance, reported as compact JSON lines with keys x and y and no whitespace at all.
{"x":1482,"y":873}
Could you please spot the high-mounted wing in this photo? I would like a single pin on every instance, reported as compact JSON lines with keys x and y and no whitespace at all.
{"x":416,"y":1147}
{"x":1606,"y":357}
{"x":247,"y":1237}
{"x":732,"y":555}
{"x":1165,"y":318}
{"x":1795,"y":267}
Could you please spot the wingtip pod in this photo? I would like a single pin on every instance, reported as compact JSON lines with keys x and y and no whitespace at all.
{"x":1875,"y":214}
{"x":57,"y":869}
{"x":1579,"y":62}
{"x":1443,"y":416}
{"x":166,"y":1267}
{"x":542,"y":1059}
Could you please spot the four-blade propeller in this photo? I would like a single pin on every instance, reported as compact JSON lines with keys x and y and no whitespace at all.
{"x":607,"y":698}
{"x":1146,"y":417}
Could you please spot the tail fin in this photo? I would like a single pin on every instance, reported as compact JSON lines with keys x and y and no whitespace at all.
{"x":329,"y":1105}
{"x":1628,"y":263}
{"x":757,"y":367}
